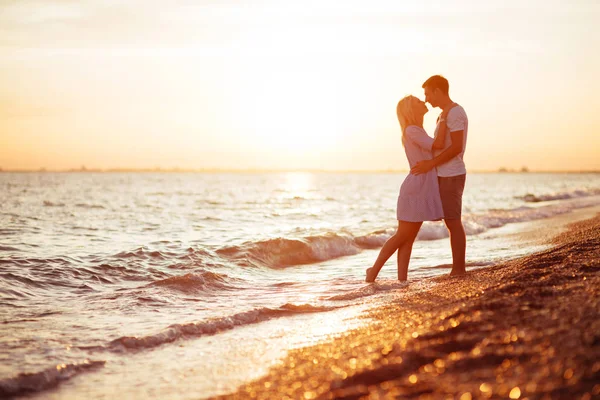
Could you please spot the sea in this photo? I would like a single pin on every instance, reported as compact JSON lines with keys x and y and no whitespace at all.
{"x":185,"y":285}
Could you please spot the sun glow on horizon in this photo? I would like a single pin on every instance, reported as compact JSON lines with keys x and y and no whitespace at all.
{"x":289,"y":86}
{"x":292,"y":110}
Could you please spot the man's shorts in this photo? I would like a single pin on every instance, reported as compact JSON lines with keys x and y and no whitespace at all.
{"x":451,"y":191}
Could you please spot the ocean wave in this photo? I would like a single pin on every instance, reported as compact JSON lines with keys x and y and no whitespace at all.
{"x":475,"y":224}
{"x":50,"y":377}
{"x":84,"y":228}
{"x":282,"y":252}
{"x":208,"y":218}
{"x":91,"y":206}
{"x":121,"y":271}
{"x":31,"y":317}
{"x":213,"y":326}
{"x":197,"y":281}
{"x":497,"y":218}
{"x":432,"y":231}
{"x":145,"y":253}
{"x":373,"y":240}
{"x":174,"y":257}
{"x":287,"y":252}
{"x":533,"y":198}
{"x":13,"y":278}
{"x":113,"y":269}
{"x":205,"y":202}
{"x":48,"y":203}
{"x":32,"y":277}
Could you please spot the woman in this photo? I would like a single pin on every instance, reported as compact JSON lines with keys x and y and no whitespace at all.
{"x":419,"y":198}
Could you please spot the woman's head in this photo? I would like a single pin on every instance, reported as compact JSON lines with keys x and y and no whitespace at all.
{"x":410,"y":111}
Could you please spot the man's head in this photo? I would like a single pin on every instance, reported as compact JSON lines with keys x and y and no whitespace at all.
{"x":436,"y":90}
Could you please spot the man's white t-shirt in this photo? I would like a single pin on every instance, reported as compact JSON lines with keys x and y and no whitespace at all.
{"x":457,"y":121}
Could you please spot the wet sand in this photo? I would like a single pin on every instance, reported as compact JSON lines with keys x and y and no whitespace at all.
{"x":525,"y":329}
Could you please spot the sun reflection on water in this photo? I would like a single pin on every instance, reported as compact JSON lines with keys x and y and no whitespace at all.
{"x":298,"y":185}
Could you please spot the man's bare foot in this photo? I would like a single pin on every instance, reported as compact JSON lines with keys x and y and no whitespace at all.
{"x":371,"y":275}
{"x":455,"y":272}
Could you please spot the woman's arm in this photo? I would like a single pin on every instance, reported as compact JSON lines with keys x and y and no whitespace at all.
{"x":419,"y":137}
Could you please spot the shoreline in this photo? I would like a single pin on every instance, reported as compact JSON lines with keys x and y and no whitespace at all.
{"x":525,"y":328}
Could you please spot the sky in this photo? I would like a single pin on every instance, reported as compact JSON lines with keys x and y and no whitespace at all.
{"x":293,"y":85}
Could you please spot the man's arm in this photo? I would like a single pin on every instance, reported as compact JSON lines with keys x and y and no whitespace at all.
{"x":440,"y":139}
{"x":452,"y":151}
{"x":455,"y":149}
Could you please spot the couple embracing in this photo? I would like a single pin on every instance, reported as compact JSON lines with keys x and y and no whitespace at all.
{"x":433,"y":189}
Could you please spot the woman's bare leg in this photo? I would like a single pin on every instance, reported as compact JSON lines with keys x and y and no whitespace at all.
{"x":404,"y":257}
{"x":404,"y":233}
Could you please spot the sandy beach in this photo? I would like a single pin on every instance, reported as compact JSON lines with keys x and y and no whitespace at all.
{"x":524,"y":329}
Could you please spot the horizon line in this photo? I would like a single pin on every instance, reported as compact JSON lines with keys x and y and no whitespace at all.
{"x":271,"y":170}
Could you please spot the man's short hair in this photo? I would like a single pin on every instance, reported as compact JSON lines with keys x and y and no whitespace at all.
{"x":437,"y":82}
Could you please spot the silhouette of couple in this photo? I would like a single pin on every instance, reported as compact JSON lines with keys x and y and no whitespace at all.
{"x":434,"y":187}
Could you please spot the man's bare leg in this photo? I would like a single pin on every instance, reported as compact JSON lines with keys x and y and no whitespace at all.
{"x":458,"y":241}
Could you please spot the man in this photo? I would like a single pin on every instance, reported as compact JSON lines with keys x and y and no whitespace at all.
{"x":450,"y":165}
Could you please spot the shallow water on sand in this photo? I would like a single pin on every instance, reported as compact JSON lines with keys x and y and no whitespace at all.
{"x":102,"y":272}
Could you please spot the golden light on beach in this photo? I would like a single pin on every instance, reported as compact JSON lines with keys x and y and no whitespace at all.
{"x":515,"y":393}
{"x":485,"y":388}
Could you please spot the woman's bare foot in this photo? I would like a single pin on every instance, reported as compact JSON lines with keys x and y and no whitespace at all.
{"x":371,"y":275}
{"x":457,"y":273}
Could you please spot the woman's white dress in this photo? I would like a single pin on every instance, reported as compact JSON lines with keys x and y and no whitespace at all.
{"x":419,"y":198}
